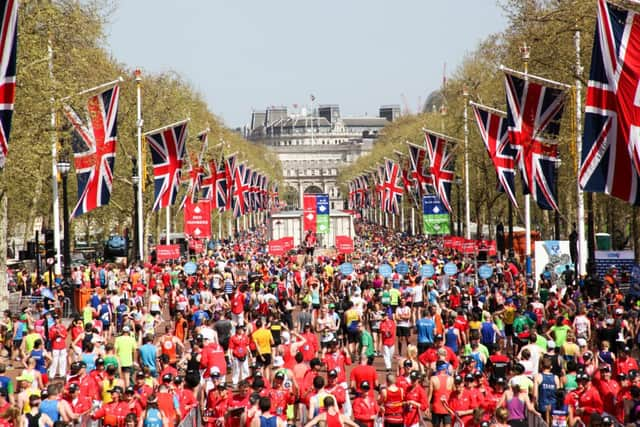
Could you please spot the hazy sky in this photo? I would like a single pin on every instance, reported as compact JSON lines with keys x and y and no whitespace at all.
{"x":249,"y":54}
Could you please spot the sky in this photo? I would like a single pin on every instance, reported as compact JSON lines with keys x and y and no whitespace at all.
{"x":246,"y":55}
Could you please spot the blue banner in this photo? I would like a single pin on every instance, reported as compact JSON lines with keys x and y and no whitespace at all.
{"x":431,"y":205}
{"x":322,"y":204}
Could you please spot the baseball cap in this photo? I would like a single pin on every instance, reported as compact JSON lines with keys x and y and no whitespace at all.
{"x":407,"y":363}
{"x":622,"y":376}
{"x":364,"y":385}
{"x":501,"y":380}
{"x":551,"y":344}
{"x":130,"y":390}
{"x":140,"y":374}
{"x":315,"y":362}
{"x":167,"y":378}
{"x":332,"y":373}
{"x":126,"y":329}
{"x":177,"y":379}
{"x":279,"y":375}
{"x":100,"y":361}
{"x":607,"y":420}
{"x":605,"y":368}
{"x":73,"y":387}
{"x":414,"y":375}
{"x":457,"y":379}
{"x":116,"y":389}
{"x":215,"y":372}
{"x":438,"y":337}
{"x":468,"y":377}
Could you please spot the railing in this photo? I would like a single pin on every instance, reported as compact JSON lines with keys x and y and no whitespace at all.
{"x":192,"y":419}
{"x":535,"y":420}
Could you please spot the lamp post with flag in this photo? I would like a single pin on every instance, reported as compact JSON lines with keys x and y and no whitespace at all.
{"x":525,"y":52}
{"x":135,"y":181}
{"x":467,"y":213}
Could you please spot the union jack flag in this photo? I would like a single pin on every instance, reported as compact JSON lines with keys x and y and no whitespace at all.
{"x":207,"y":182}
{"x":534,"y":109}
{"x":275,"y":202}
{"x":423,"y":180}
{"x":239,"y":200}
{"x":610,"y":161}
{"x":440,"y":152}
{"x":195,"y":172}
{"x":493,"y":128}
{"x":380,"y":190}
{"x":8,"y":47}
{"x":230,"y":170}
{"x":168,"y":149}
{"x":222,"y":190}
{"x":264,"y":193}
{"x":352,"y":195}
{"x":392,"y":186}
{"x":94,"y":149}
{"x":365,"y":191}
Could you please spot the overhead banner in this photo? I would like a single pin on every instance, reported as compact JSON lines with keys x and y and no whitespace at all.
{"x":167,"y":252}
{"x":316,"y":213}
{"x":344,"y":244}
{"x":197,"y":219}
{"x":435,"y":218}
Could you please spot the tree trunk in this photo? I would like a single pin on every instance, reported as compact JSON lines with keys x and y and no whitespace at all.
{"x":4,"y":286}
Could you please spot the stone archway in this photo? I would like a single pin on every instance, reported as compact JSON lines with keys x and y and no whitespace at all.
{"x":313,"y":189}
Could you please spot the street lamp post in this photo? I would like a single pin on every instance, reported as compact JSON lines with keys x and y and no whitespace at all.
{"x":135,"y":179}
{"x":63,"y":167}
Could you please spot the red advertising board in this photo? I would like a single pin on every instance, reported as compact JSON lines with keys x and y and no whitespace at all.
{"x":287,"y":242}
{"x":457,"y":243}
{"x":344,"y":244}
{"x":468,"y":247}
{"x":448,"y":242}
{"x":276,"y":247}
{"x":167,"y":252}
{"x":197,"y":219}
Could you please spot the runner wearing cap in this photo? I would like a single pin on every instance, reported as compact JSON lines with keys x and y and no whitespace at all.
{"x":114,"y":412}
{"x":365,"y":407}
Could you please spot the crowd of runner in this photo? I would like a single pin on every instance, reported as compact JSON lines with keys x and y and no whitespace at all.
{"x":261,"y":341}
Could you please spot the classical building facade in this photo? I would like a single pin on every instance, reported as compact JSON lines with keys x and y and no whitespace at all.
{"x":312,"y":148}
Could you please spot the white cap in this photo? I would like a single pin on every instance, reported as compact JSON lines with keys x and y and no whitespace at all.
{"x":619,"y":311}
{"x":551,"y":344}
{"x":126,"y":329}
{"x":278,"y":361}
{"x":214,"y":370}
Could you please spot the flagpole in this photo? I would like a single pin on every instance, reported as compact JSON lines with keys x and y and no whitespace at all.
{"x":582,"y":241}
{"x":467,"y":213}
{"x":54,"y":170}
{"x":413,"y":221}
{"x":402,"y":216}
{"x":524,"y":50}
{"x":95,"y":88}
{"x":168,"y":225}
{"x":139,"y":123}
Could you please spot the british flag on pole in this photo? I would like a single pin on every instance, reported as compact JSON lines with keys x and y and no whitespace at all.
{"x":534,"y":110}
{"x":440,"y":150}
{"x":8,"y":47}
{"x":239,"y":199}
{"x":610,"y":161}
{"x":493,"y":128}
{"x":94,"y":149}
{"x":392,"y":186}
{"x":168,"y":149}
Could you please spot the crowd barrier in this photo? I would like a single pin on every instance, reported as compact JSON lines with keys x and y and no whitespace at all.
{"x":535,"y":420}
{"x":192,"y":419}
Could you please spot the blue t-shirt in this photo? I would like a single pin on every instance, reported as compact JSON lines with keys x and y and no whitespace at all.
{"x":199,"y":317}
{"x":152,"y":418}
{"x":425,"y":327}
{"x":148,"y":354}
{"x":95,"y":301}
{"x":38,"y":357}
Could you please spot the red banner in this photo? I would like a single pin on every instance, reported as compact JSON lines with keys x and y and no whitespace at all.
{"x":167,"y":252}
{"x":197,"y":219}
{"x":449,"y":242}
{"x":287,"y":242}
{"x":276,"y":247}
{"x":468,"y":247}
{"x":457,"y":243}
{"x":309,"y":213}
{"x":344,"y":244}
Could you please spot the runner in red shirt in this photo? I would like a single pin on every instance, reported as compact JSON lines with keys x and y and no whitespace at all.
{"x":363,"y":372}
{"x":415,"y":400}
{"x":460,"y":402}
{"x":280,"y":397}
{"x":365,"y":408}
{"x":337,"y":359}
{"x":311,"y":346}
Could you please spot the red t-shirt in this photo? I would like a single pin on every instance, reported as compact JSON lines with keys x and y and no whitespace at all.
{"x":58,"y":337}
{"x":364,"y":373}
{"x":237,"y":303}
{"x":388,"y":331}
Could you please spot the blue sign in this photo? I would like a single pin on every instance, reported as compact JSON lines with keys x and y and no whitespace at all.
{"x":402,"y":268}
{"x":385,"y":270}
{"x":485,"y":271}
{"x":431,"y":204}
{"x":346,"y":268}
{"x":322,"y":204}
{"x":190,"y":268}
{"x":450,"y":269}
{"x":427,"y":271}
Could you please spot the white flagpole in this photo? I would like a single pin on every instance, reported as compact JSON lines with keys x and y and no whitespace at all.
{"x":219,"y":225}
{"x":54,"y":171}
{"x":95,"y":88}
{"x":524,"y":50}
{"x":139,"y":123}
{"x":168,"y":229}
{"x":413,"y":221}
{"x":582,"y":241}
{"x":402,"y":217}
{"x":467,"y":212}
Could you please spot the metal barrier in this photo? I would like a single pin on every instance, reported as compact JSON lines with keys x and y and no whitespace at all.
{"x":192,"y":419}
{"x":535,"y":420}
{"x":67,"y":308}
